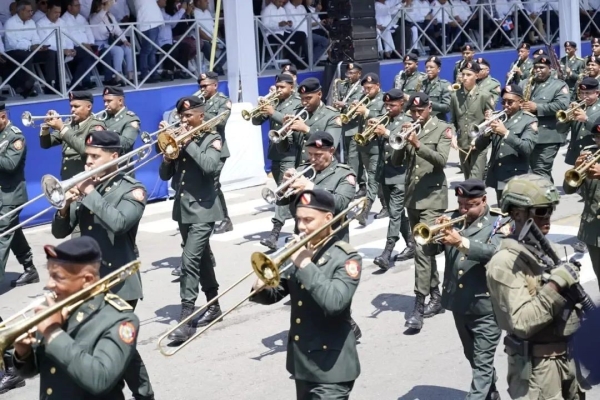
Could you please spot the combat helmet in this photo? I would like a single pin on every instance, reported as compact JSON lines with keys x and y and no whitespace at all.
{"x":529,"y":190}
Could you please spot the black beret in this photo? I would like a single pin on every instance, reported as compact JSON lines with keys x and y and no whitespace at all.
{"x":595,"y":40}
{"x":593,"y":59}
{"x":2,"y":106}
{"x":80,"y":250}
{"x":483,"y":61}
{"x":470,"y":188}
{"x":309,"y":85}
{"x":436,"y":60}
{"x":540,"y":52}
{"x":466,"y":47}
{"x":355,"y":65}
{"x":513,"y":89}
{"x":320,"y":139}
{"x":284,"y":78}
{"x":542,"y":59}
{"x":393,"y":94}
{"x":471,"y":66}
{"x":418,"y":99}
{"x":570,"y":43}
{"x":371,"y":77}
{"x":103,"y":139}
{"x":113,"y":91}
{"x":84,"y":96}
{"x":525,"y":46}
{"x":291,"y":68}
{"x":411,"y":57}
{"x":317,"y":199}
{"x":213,"y":76}
{"x":588,"y":83}
{"x":188,"y":103}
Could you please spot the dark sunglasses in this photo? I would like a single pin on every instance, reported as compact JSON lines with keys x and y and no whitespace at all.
{"x":542,"y":212}
{"x":508,"y":102}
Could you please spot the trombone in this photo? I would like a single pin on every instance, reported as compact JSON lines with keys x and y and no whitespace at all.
{"x":351,"y":114}
{"x":272,"y":99}
{"x":485,"y":127}
{"x":277,"y":136}
{"x":398,"y":140}
{"x":28,"y":120}
{"x":284,"y":190}
{"x":425,"y":234}
{"x":269,"y":269}
{"x":368,"y":134}
{"x":574,"y":177}
{"x":569,"y":113}
{"x":10,"y":333}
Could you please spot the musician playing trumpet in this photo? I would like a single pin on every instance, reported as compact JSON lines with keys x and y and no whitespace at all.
{"x":582,"y":119}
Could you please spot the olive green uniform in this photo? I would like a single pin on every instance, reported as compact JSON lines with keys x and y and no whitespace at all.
{"x":510,"y":153}
{"x":369,"y":154}
{"x":439,"y":94}
{"x":13,"y":151}
{"x":282,"y":155}
{"x":351,"y":156}
{"x":325,"y":118}
{"x":465,"y":293}
{"x":526,"y":68}
{"x":426,"y":195}
{"x":581,"y":132}
{"x":468,"y":109}
{"x":577,"y":65}
{"x":410,"y":84}
{"x":88,"y":359}
{"x":321,"y":350}
{"x":127,"y":125}
{"x":530,"y":312}
{"x":549,"y":96}
{"x":196,"y":209}
{"x":492,"y":86}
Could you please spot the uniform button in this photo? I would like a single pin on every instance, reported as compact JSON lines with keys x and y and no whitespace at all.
{"x":487,"y":293}
{"x":501,"y":154}
{"x":499,"y":164}
{"x":52,"y":370}
{"x":182,"y":183}
{"x":416,"y":166}
{"x":184,"y":160}
{"x":89,"y":228}
{"x":460,"y":271}
{"x":324,"y":347}
{"x":460,"y":285}
{"x":598,"y":217}
{"x":301,"y":286}
{"x":304,"y":151}
{"x":386,"y":162}
{"x":65,"y":168}
{"x":110,"y":264}
{"x":181,"y":194}
{"x":296,"y":338}
{"x":416,"y":178}
{"x":300,"y":303}
{"x":462,"y":259}
{"x":183,"y":172}
{"x":91,"y":213}
{"x":49,"y":391}
{"x":298,"y":320}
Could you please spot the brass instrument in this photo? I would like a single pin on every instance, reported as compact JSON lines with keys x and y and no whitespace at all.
{"x":28,"y":120}
{"x":485,"y":127}
{"x":9,"y":333}
{"x":456,"y":86}
{"x":269,"y":268}
{"x":272,"y":99}
{"x":529,"y":86}
{"x":149,"y":137}
{"x":364,"y":137}
{"x":336,"y":88}
{"x":277,"y":136}
{"x":170,"y":143}
{"x":398,"y":140}
{"x":101,"y":115}
{"x":585,"y":73}
{"x":351,"y":91}
{"x":574,"y":177}
{"x":284,"y":191}
{"x":425,"y":234}
{"x":569,"y":113}
{"x":351,"y":114}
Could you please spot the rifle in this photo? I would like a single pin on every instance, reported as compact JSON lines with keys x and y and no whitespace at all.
{"x":531,"y":234}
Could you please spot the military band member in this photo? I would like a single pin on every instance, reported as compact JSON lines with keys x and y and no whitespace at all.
{"x":595,"y":43}
{"x":592,"y":65}
{"x":291,"y":70}
{"x":321,"y":352}
{"x":553,"y":70}
{"x":465,"y":291}
{"x":426,"y":197}
{"x":196,"y":209}
{"x":521,"y":69}
{"x":215,"y":104}
{"x":110,"y":211}
{"x":467,"y":108}
{"x":486,"y":81}
{"x":548,"y":95}
{"x":85,"y":354}
{"x":583,"y":120}
{"x":282,"y":155}
{"x":119,"y":118}
{"x":468,"y":54}
{"x":71,"y":135}
{"x":590,"y":191}
{"x":392,"y":180}
{"x":436,"y":88}
{"x":533,"y":311}
{"x":410,"y":79}
{"x":13,"y":150}
{"x":572,"y":65}
{"x":512,"y":141}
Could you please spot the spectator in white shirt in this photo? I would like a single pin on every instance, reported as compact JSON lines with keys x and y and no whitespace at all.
{"x":86,"y":8}
{"x":149,"y":20}
{"x":105,"y":29}
{"x":5,"y":10}
{"x":507,"y":9}
{"x":41,"y":10}
{"x":276,"y":24}
{"x":181,"y":53}
{"x":4,"y":66}
{"x":416,"y":12}
{"x":21,"y":39}
{"x":301,"y":19}
{"x":384,"y":14}
{"x":206,"y":21}
{"x":120,"y":10}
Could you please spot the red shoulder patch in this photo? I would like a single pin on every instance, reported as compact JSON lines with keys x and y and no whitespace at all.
{"x":18,"y":144}
{"x":217,"y":144}
{"x":127,"y":332}
{"x":448,"y":133}
{"x":139,"y":194}
{"x":351,"y":180}
{"x":352,"y":268}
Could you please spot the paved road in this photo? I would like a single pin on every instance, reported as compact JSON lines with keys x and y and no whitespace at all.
{"x":244,"y":356}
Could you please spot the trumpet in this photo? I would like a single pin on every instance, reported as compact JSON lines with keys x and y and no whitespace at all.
{"x":569,"y":113}
{"x":201,"y":94}
{"x":425,"y":234}
{"x":485,"y":127}
{"x":368,"y":134}
{"x":351,"y":114}
{"x":269,"y":269}
{"x":574,"y":177}
{"x":101,"y":115}
{"x":28,"y":120}
{"x":282,"y":133}
{"x":272,"y":99}
{"x":284,"y":190}
{"x":398,"y":140}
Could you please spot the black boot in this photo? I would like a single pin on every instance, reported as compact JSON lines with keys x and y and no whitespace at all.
{"x":355,"y":329}
{"x":384,"y":213}
{"x":362,"y":191}
{"x":30,"y":275}
{"x":363,"y":216}
{"x":9,"y":379}
{"x":407,"y":254}
{"x":176,"y":271}
{"x":435,"y":304}
{"x":210,"y":315}
{"x":384,"y":260}
{"x":271,"y":241}
{"x":185,"y":331}
{"x":416,"y":319}
{"x":224,"y":226}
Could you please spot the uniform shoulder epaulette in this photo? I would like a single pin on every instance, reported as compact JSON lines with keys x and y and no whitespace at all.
{"x":332,"y":109}
{"x":346,"y":247}
{"x":579,"y":58}
{"x":131,"y":113}
{"x":497,"y":211}
{"x":444,"y":81}
{"x":591,"y":147}
{"x":222,"y":95}
{"x":117,"y":302}
{"x":14,"y":129}
{"x":345,"y":166}
{"x":530,"y":114}
{"x":130,"y":179}
{"x":495,"y":80}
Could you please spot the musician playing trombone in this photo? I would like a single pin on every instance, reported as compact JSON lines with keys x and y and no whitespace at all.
{"x":282,"y":154}
{"x":120,"y":119}
{"x":85,"y":353}
{"x":321,"y":353}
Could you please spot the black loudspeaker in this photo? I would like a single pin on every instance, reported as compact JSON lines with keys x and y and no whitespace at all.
{"x":351,"y":9}
{"x":354,"y":50}
{"x":354,"y":28}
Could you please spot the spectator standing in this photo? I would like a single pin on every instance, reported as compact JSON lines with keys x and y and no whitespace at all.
{"x":149,"y":20}
{"x":300,"y":21}
{"x":277,"y":24}
{"x":206,"y":22}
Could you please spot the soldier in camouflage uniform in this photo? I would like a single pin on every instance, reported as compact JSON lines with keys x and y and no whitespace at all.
{"x":436,"y":88}
{"x":486,"y":81}
{"x":468,"y":53}
{"x":528,"y":294}
{"x":573,"y":67}
{"x":410,"y":80}
{"x":522,"y":67}
{"x":119,"y":118}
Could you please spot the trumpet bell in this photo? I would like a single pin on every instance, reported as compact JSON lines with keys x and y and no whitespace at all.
{"x":246,"y":115}
{"x":562,"y":116}
{"x":27,"y":119}
{"x":422,"y":233}
{"x":268,"y":195}
{"x":54,"y":191}
{"x":168,"y":145}
{"x":574,"y":178}
{"x":266,"y":270}
{"x":360,"y":139}
{"x":344,"y":118}
{"x":456,"y":86}
{"x":274,"y":136}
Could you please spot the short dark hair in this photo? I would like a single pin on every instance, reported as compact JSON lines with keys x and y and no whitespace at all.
{"x":22,"y":4}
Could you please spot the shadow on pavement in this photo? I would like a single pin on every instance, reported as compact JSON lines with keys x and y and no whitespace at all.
{"x":275,"y":344}
{"x":433,"y":393}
